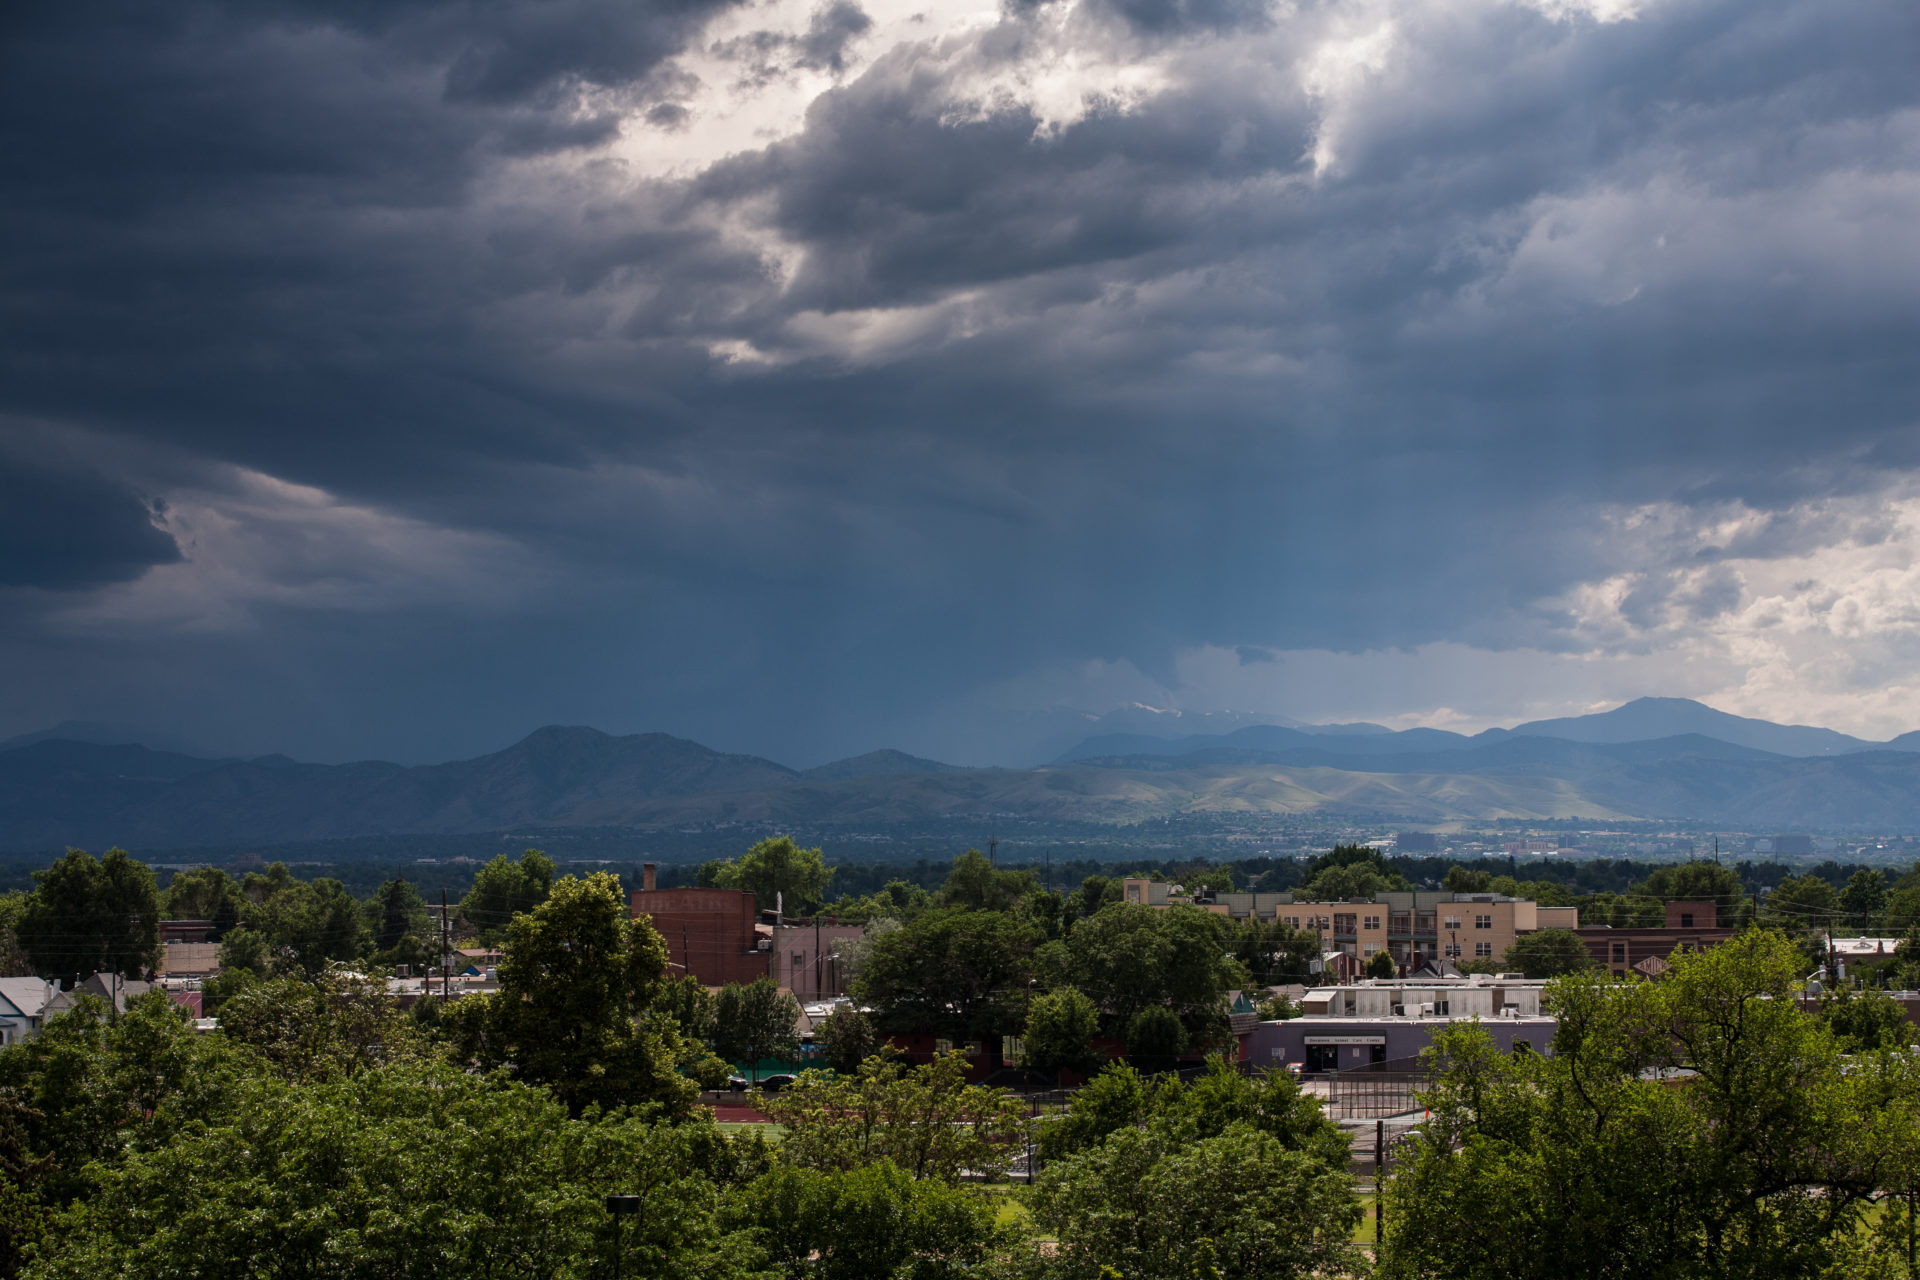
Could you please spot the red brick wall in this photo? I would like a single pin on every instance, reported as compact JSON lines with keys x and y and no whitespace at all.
{"x":709,"y":931}
{"x":1705,"y":915}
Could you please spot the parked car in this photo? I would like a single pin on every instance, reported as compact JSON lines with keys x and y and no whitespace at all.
{"x":737,"y":1083}
{"x":774,"y":1084}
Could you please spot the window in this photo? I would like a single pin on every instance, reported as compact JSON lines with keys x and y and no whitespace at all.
{"x":1483,"y":922}
{"x":1293,"y":922}
{"x":1686,"y":919}
{"x":1483,"y":949}
{"x":1344,"y":923}
{"x":1453,"y":951}
{"x":1373,"y":922}
{"x":1453,"y":922}
{"x":1368,"y":950}
{"x":1619,"y":953}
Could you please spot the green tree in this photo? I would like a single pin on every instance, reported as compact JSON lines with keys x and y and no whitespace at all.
{"x":88,"y":1087}
{"x":13,"y":958}
{"x":847,"y":1039}
{"x":927,"y":1120}
{"x":1800,"y":903}
{"x":1274,"y":952}
{"x":1756,"y":1159}
{"x":206,"y":893}
{"x":1862,"y":1021}
{"x":309,"y":926}
{"x":1462,"y":880}
{"x":870,"y":1222}
{"x":1131,"y":957}
{"x":425,"y":1172}
{"x":331,"y":1026}
{"x":1272,"y":1102}
{"x":1380,"y":965}
{"x":245,"y":949}
{"x":1280,"y":1008}
{"x":778,"y":870}
{"x":950,"y":972}
{"x":1061,"y":1025}
{"x":397,"y":918}
{"x":1864,"y":896}
{"x":1547,"y":953}
{"x":1147,"y":1205}
{"x":91,"y":915}
{"x":688,"y":1002}
{"x":1155,"y":1039}
{"x":1696,"y":881}
{"x":1348,"y":871}
{"x":1095,"y":892}
{"x":505,"y":889}
{"x":756,"y":1020}
{"x":574,"y":1010}
{"x":976,"y":885}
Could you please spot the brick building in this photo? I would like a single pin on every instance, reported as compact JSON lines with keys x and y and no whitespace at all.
{"x":710,"y":933}
{"x":1692,"y":926}
{"x":804,"y":959}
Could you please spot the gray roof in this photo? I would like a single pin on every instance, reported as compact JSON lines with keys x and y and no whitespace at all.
{"x":28,"y":995}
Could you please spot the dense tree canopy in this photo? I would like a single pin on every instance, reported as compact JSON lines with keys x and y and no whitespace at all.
{"x":575,"y":1007}
{"x":778,"y":871}
{"x":756,"y":1020}
{"x":1547,"y":953}
{"x":1130,"y":957}
{"x":1227,"y":1177}
{"x":92,"y":915}
{"x":1061,"y":1025}
{"x":505,"y":888}
{"x":1600,"y":1161}
{"x":951,"y":972}
{"x":977,"y":886}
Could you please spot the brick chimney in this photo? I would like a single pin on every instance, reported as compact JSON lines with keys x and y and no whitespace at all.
{"x":649,"y":877}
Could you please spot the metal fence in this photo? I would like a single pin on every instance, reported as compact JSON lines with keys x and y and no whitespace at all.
{"x":1375,"y":1091}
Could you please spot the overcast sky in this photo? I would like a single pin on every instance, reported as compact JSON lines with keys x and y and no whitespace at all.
{"x":389,"y":379}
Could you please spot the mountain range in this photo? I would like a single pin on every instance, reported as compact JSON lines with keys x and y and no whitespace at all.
{"x":1653,"y":759}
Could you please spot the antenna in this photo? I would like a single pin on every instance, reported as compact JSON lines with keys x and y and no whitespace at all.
{"x":993,"y":850}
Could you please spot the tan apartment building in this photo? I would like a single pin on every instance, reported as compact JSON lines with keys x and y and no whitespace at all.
{"x":1413,"y":926}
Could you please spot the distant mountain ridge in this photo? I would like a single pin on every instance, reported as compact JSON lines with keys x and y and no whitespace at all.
{"x":57,"y":791}
{"x":1642,"y":720}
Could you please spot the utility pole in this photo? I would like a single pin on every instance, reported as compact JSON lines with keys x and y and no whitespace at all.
{"x":1379,"y":1182}
{"x":446,"y":951}
{"x":993,"y":850}
{"x":816,"y":955}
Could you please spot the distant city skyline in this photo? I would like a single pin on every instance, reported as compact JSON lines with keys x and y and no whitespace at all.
{"x":809,"y":377}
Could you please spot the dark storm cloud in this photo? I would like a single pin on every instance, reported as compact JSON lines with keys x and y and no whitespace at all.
{"x":1272,"y":354}
{"x":65,"y":530}
{"x":833,"y":28}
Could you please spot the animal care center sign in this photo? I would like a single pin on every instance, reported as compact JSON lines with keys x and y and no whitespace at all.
{"x":1346,"y":1040}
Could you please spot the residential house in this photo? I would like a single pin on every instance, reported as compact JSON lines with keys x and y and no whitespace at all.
{"x":24,"y":1007}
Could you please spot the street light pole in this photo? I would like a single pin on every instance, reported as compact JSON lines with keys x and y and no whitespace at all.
{"x":620,"y":1207}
